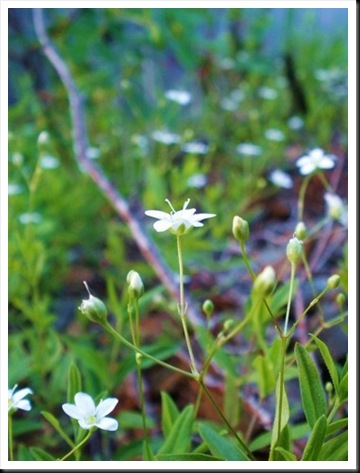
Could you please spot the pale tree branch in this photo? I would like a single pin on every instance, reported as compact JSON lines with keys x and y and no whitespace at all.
{"x":80,"y":136}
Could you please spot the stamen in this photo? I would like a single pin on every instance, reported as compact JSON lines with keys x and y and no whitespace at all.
{"x":186,"y":204}
{"x":172,"y":208}
{"x":87,"y":288}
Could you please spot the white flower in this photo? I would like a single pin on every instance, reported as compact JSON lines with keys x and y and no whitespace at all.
{"x":295,"y":122}
{"x":315,"y":159}
{"x":182,"y":97}
{"x":177,"y":222}
{"x":336,"y":208}
{"x":90,"y":416}
{"x":195,"y":147}
{"x":274,"y":134}
{"x":249,"y":149}
{"x":49,"y":162}
{"x":16,"y":400}
{"x":197,"y":180}
{"x":30,"y":217}
{"x":165,"y":137}
{"x":14,"y":189}
{"x":281,"y":179}
{"x":267,"y":93}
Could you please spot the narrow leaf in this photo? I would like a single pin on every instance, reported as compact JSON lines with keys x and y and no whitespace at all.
{"x":285,"y":454}
{"x":40,"y":455}
{"x":179,"y":438}
{"x":188,"y":457}
{"x":312,"y":392}
{"x":220,"y":446}
{"x":169,"y":413}
{"x":316,"y":440}
{"x":335,"y":449}
{"x":282,"y":415}
{"x":344,"y":388}
{"x":56,"y":424}
{"x":74,"y":382}
{"x":329,"y":362}
{"x":265,"y":377}
{"x":336,"y":425}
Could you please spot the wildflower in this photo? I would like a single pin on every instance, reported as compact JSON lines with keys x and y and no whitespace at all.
{"x":265,"y":282}
{"x":267,"y":93}
{"x":165,"y":137}
{"x":93,"y":153}
{"x":94,"y":308}
{"x":197,"y":180}
{"x":136,"y":286}
{"x":240,"y":229}
{"x":30,"y":217}
{"x":295,"y":123}
{"x":249,"y":149}
{"x":179,"y":222}
{"x":49,"y":162}
{"x":16,"y":400}
{"x":281,"y":179}
{"x":182,"y":97}
{"x":336,"y":208}
{"x":294,"y":250}
{"x":315,"y":159}
{"x":14,"y":189}
{"x":195,"y":148}
{"x":274,"y":135}
{"x":89,"y":415}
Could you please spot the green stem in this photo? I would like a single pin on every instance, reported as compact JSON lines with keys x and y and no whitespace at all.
{"x":182,"y":308}
{"x":243,"y":448}
{"x":78,"y":446}
{"x":292,"y":278}
{"x":282,"y":385}
{"x":302,"y":196}
{"x":11,"y":450}
{"x":117,"y":335}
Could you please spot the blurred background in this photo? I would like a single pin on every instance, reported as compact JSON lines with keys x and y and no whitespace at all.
{"x":214,"y":105}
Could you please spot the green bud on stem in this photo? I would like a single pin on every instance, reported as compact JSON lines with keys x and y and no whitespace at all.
{"x":94,"y":308}
{"x":208,"y":308}
{"x":294,"y":250}
{"x":136,"y":286}
{"x":264,"y":282}
{"x":333,"y":281}
{"x":240,"y":229}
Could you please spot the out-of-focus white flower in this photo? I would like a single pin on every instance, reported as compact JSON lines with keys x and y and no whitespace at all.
{"x":249,"y":149}
{"x":179,"y":222}
{"x":90,"y":416}
{"x":267,"y":93}
{"x":14,"y":189}
{"x":30,"y":217}
{"x":337,"y":209}
{"x":182,"y":97}
{"x":165,"y":137}
{"x":16,"y":399}
{"x":18,"y":159}
{"x":141,"y":141}
{"x":44,"y":138}
{"x":197,"y":180}
{"x":315,"y":159}
{"x":93,"y":153}
{"x":49,"y":162}
{"x":295,"y":123}
{"x":232,"y":101}
{"x":274,"y":135}
{"x":195,"y":147}
{"x":281,"y":179}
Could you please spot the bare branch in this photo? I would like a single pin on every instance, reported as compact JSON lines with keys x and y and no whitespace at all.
{"x":120,"y":204}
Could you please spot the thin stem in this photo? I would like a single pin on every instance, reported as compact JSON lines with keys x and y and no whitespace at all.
{"x":302,"y":196}
{"x":292,"y":278}
{"x":182,"y":308}
{"x":78,"y":446}
{"x":282,"y":385}
{"x":111,"y":330}
{"x":11,"y":450}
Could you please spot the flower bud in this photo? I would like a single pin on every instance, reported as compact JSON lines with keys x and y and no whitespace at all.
{"x":240,"y":229}
{"x":94,"y":308}
{"x":340,"y":299}
{"x":228,"y":324}
{"x":136,"y":287}
{"x":294,"y":250}
{"x":264,"y":282}
{"x":333,"y":281}
{"x":301,"y":231}
{"x":208,"y":307}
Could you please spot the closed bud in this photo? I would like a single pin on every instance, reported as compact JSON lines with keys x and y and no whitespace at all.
{"x":94,"y":308}
{"x":340,"y":299}
{"x":136,"y":287}
{"x":329,"y":387}
{"x":333,"y":281}
{"x":228,"y":324}
{"x":294,"y":250}
{"x":208,"y":307}
{"x":301,"y":231}
{"x":264,"y":282}
{"x":240,"y":229}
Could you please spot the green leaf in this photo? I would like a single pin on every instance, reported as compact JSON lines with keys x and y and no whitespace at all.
{"x":74,"y":382}
{"x":265,"y":377}
{"x":312,"y":392}
{"x":337,"y":425}
{"x":285,"y":454}
{"x":24,"y":454}
{"x":179,"y":438}
{"x":335,"y":449}
{"x":40,"y":455}
{"x":316,"y":440}
{"x":282,"y":415}
{"x":169,"y":413}
{"x":220,"y":446}
{"x":188,"y":457}
{"x":344,"y":388}
{"x":329,"y":362}
{"x":56,"y":424}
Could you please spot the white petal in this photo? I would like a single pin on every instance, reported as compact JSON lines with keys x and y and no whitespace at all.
{"x":85,"y":404}
{"x":307,"y":169}
{"x":198,"y":217}
{"x":107,"y":424}
{"x":24,"y":404}
{"x":84,"y":425}
{"x":194,"y":223}
{"x":72,"y":411}
{"x":185,"y":213}
{"x":20,"y":394}
{"x":326,"y":163}
{"x":105,"y":407}
{"x":162,"y":225}
{"x":303,"y":161}
{"x":158,"y":214}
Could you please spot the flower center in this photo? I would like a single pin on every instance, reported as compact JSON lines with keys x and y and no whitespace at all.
{"x":91,"y":420}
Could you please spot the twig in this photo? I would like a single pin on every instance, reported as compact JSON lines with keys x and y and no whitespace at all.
{"x":120,"y":204}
